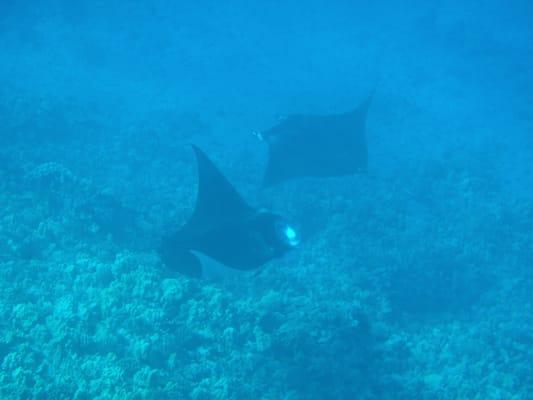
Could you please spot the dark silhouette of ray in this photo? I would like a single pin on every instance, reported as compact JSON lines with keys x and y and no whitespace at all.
{"x":305,"y":145}
{"x":225,"y":228}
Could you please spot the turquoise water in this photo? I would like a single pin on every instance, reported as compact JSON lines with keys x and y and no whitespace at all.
{"x":411,"y":281}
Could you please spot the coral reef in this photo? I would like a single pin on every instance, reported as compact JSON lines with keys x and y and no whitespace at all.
{"x":411,"y":282}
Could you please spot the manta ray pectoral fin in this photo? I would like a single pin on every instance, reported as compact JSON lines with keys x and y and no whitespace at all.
{"x":217,"y":199}
{"x":361,"y":111}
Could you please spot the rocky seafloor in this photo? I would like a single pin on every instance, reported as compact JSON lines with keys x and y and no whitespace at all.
{"x":413,"y":281}
{"x":417,"y":285}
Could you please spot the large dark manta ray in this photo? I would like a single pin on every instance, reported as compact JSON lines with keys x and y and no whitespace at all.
{"x":304,"y":145}
{"x":225,"y":228}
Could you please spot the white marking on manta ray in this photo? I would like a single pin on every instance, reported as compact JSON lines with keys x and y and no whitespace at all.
{"x":212,"y":270}
{"x":292,"y":237}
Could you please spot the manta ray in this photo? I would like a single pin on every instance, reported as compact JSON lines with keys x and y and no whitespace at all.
{"x":225,"y":228}
{"x":304,"y":145}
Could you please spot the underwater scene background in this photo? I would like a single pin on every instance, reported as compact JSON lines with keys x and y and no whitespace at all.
{"x":412,"y":281}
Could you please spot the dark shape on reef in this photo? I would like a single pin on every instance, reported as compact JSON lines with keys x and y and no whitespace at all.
{"x":225,"y":228}
{"x":305,"y":145}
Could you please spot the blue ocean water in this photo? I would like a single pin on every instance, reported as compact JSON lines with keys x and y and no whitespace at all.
{"x":413,"y":280}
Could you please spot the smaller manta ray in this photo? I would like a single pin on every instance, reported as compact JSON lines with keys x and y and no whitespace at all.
{"x":225,"y":228}
{"x":317,"y":145}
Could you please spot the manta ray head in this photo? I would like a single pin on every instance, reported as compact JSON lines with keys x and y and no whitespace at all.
{"x":277,"y":233}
